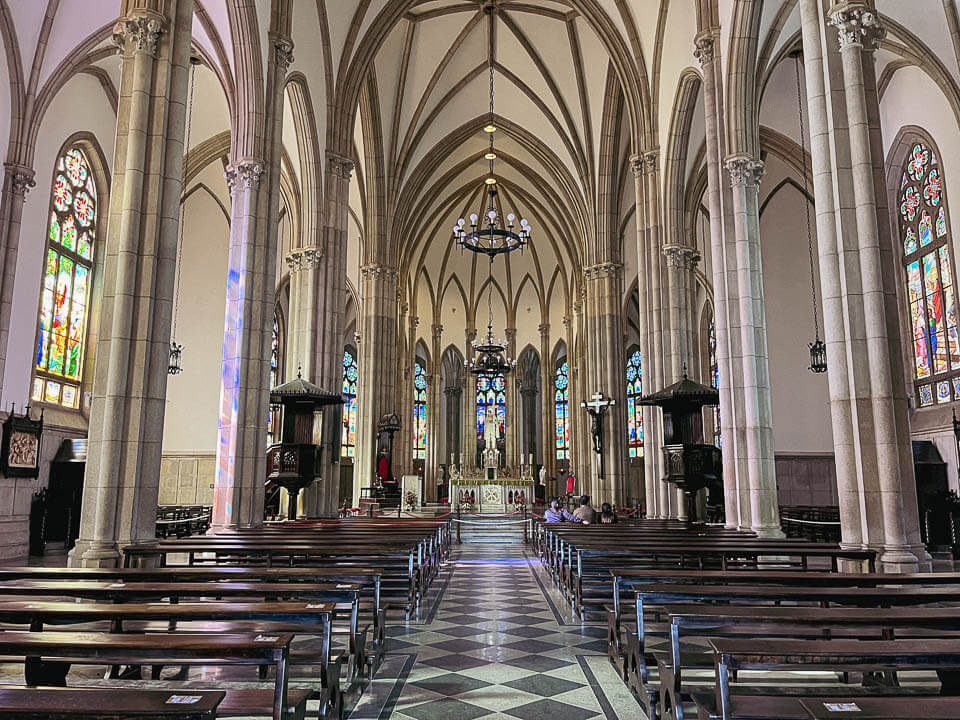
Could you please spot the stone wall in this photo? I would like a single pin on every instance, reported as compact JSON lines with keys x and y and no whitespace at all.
{"x":187,"y":479}
{"x":806,"y":479}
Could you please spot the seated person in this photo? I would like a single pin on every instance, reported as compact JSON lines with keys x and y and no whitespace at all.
{"x":607,"y":515}
{"x":585,"y":511}
{"x":556,"y":514}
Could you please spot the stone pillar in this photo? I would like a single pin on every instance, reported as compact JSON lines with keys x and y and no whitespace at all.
{"x":454,"y":424}
{"x":130,"y":376}
{"x":376,"y":389}
{"x":304,"y":264}
{"x":17,"y":180}
{"x":549,"y":458}
{"x":604,"y":283}
{"x":468,"y":437}
{"x":433,"y":455}
{"x":511,"y":424}
{"x":878,"y":504}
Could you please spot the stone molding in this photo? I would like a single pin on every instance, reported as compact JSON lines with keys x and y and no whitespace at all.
{"x":283,"y":53}
{"x":244,"y":175}
{"x":304,"y":258}
{"x":377,"y":271}
{"x":856,"y":25}
{"x":453,"y":391}
{"x":703,"y":48}
{"x":436,"y":331}
{"x":414,"y":322}
{"x":19,"y":178}
{"x":543,"y":328}
{"x":681,"y":256}
{"x":340,"y":166}
{"x":141,"y":32}
{"x":745,"y":171}
{"x":602,"y":270}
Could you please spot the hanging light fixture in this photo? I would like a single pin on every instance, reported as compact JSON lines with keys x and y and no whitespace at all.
{"x":175,"y":362}
{"x":818,"y":349}
{"x":489,"y":355}
{"x":492,"y":235}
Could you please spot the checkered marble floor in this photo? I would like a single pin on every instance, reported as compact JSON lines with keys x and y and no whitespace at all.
{"x":495,"y":640}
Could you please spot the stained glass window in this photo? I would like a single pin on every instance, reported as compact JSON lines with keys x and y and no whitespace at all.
{"x":65,"y":293}
{"x":419,"y":411}
{"x":491,"y":391}
{"x":348,"y":434}
{"x":634,"y":409}
{"x":561,"y":402}
{"x":714,"y":378}
{"x":931,"y":291}
{"x":274,"y":375}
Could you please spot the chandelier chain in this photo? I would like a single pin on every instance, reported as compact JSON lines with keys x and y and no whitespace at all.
{"x":176,"y":291}
{"x":806,"y":203}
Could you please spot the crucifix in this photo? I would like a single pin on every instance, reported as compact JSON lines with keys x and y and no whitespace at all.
{"x":596,"y":407}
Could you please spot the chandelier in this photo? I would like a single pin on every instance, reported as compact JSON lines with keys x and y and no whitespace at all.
{"x":491,"y":235}
{"x":489,"y":355}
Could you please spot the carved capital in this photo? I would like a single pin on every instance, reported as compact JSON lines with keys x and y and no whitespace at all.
{"x":681,"y":257}
{"x":139,"y":33}
{"x":566,"y":322}
{"x":244,"y":175}
{"x":340,"y":166}
{"x":745,"y":171}
{"x":703,"y":48}
{"x":19,"y":178}
{"x":303,"y":258}
{"x":856,"y":25}
{"x":283,"y":53}
{"x":414,"y":322}
{"x":376,"y":271}
{"x":453,"y":391}
{"x":636,"y":165}
{"x":602,"y":270}
{"x":543,"y":328}
{"x":436,"y":331}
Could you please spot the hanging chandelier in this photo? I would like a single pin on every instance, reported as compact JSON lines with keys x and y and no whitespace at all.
{"x":489,"y":358}
{"x":491,"y":235}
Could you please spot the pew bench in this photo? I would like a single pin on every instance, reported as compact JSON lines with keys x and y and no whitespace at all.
{"x":763,"y":707}
{"x":31,"y":703}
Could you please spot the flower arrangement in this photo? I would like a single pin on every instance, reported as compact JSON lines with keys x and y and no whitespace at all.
{"x":410,"y":499}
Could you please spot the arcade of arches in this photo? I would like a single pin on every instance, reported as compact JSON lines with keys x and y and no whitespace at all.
{"x":271,"y":184}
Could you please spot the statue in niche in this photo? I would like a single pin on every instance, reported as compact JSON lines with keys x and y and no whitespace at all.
{"x":490,"y":428}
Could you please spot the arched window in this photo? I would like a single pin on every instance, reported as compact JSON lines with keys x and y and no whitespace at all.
{"x":931,"y":290}
{"x":419,"y":411}
{"x":634,"y":409}
{"x":348,"y":433}
{"x":714,"y":378}
{"x":274,"y":374}
{"x":561,"y":401}
{"x":491,"y":391}
{"x":65,"y":295}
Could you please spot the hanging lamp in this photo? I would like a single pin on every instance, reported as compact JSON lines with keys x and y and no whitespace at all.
{"x":492,"y":235}
{"x":175,"y":363}
{"x":818,"y":349}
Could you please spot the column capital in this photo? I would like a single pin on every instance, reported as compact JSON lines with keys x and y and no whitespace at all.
{"x":19,"y":178}
{"x":744,"y":170}
{"x":283,"y":53}
{"x":543,"y":328}
{"x":414,"y":322}
{"x":436,"y":330}
{"x":566,"y":322}
{"x":602,"y":270}
{"x":340,"y":166}
{"x":453,"y":391}
{"x":303,"y":258}
{"x":244,"y":174}
{"x":378,"y":272}
{"x":856,"y":24}
{"x":139,"y":31}
{"x":703,"y":47}
{"x":681,"y":256}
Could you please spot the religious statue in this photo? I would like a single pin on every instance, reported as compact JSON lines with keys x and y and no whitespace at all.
{"x":543,"y":475}
{"x":596,"y":429}
{"x":490,"y":428}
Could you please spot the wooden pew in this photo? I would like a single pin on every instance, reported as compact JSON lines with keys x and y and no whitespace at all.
{"x":124,"y":649}
{"x":30,"y":703}
{"x":781,"y":707}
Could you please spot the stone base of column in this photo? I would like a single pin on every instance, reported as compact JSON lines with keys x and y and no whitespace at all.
{"x":899,"y":559}
{"x":93,"y":554}
{"x":772,"y":532}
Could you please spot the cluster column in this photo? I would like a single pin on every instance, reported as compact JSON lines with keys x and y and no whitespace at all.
{"x":130,"y":377}
{"x":17,"y":181}
{"x":549,"y":458}
{"x":511,"y":421}
{"x":468,"y":436}
{"x":434,"y":453}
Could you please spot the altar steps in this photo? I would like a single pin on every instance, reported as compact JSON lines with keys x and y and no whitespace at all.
{"x":491,"y":528}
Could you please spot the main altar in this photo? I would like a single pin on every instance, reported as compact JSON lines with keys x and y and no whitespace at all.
{"x":491,"y":488}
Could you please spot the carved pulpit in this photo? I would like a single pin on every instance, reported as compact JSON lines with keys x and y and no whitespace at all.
{"x":294,"y":462}
{"x":387,"y":488}
{"x":689,"y":462}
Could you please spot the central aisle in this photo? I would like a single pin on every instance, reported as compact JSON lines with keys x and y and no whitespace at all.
{"x":495,"y":640}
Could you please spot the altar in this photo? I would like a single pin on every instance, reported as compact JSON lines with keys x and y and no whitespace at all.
{"x":502,"y":495}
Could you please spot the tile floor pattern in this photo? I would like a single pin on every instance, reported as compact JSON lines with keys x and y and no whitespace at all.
{"x":496,"y":641}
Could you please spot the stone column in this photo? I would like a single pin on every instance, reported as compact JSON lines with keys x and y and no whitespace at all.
{"x":549,"y":458}
{"x":130,"y":376}
{"x":17,"y":181}
{"x":468,"y":437}
{"x":433,"y":455}
{"x":885,"y":494}
{"x":303,"y":263}
{"x":376,"y":389}
{"x":511,"y":424}
{"x":454,"y":445}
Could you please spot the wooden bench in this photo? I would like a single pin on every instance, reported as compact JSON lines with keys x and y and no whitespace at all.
{"x":30,"y":703}
{"x":816,"y":708}
{"x":132,"y":649}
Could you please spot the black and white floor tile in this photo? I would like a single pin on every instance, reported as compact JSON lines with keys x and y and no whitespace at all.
{"x":495,"y":641}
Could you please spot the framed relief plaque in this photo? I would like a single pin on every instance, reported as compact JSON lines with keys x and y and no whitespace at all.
{"x":20,"y":451}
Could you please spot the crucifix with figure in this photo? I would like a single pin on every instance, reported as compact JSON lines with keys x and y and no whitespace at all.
{"x":596,"y":407}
